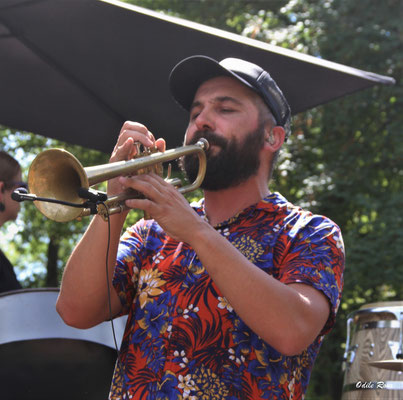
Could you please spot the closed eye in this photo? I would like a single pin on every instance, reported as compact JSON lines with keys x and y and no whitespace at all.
{"x":194,"y":116}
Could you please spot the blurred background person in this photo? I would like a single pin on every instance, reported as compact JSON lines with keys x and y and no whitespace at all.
{"x":10,"y":179}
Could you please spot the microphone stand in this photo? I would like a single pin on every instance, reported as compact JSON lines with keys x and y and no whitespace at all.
{"x":93,"y":198}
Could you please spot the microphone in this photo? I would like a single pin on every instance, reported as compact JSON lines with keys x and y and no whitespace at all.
{"x":21,"y":194}
{"x":92,"y":195}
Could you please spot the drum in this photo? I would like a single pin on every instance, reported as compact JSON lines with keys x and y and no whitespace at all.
{"x":43,"y":358}
{"x":372,"y":365}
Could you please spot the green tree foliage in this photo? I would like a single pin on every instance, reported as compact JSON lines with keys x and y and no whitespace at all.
{"x":231,"y":15}
{"x":343,"y":159}
{"x":361,"y":156}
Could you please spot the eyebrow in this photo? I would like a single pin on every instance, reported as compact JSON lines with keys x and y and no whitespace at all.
{"x":218,"y":99}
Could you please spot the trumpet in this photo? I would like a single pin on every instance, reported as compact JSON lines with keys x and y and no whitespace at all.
{"x":57,"y":176}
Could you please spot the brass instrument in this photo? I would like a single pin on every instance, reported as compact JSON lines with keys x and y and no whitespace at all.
{"x":57,"y":174}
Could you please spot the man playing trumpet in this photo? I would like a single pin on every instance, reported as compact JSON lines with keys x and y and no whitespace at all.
{"x":228,"y":298}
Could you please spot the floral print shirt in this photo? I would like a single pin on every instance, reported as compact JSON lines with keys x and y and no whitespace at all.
{"x":183,"y":340}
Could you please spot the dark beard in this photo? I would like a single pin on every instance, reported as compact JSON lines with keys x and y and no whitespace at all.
{"x":233,"y":164}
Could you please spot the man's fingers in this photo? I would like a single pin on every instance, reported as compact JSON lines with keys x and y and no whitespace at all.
{"x":160,"y":144}
{"x":123,"y":151}
{"x":141,"y":204}
{"x":148,"y":184}
{"x":136,"y":131}
{"x":130,"y":135}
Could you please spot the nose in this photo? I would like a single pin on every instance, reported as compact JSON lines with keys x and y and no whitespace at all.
{"x":204,"y":121}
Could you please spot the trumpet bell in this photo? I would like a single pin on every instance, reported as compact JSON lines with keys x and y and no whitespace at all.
{"x":57,"y":174}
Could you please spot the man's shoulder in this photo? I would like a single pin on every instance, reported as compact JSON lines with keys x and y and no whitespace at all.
{"x":293,"y":218}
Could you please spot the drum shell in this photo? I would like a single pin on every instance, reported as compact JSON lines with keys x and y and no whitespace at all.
{"x":375,"y":336}
{"x":43,"y":358}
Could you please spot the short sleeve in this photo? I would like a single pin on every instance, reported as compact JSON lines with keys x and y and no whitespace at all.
{"x":315,"y":256}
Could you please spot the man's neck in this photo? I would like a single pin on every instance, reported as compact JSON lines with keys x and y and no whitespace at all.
{"x":224,"y":204}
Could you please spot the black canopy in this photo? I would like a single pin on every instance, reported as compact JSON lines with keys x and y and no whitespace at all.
{"x":75,"y":70}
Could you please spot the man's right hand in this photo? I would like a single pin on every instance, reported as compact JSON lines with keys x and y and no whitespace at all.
{"x":125,"y":148}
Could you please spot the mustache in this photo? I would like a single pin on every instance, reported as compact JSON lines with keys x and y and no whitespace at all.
{"x":212,"y":137}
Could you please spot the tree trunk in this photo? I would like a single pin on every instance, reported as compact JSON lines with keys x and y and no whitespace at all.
{"x":51,"y":277}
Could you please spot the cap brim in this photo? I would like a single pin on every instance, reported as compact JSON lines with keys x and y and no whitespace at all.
{"x":190,"y":73}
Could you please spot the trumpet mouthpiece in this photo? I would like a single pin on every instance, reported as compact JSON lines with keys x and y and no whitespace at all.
{"x":203,"y":143}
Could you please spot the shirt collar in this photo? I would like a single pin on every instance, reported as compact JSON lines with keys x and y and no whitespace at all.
{"x":272,"y":203}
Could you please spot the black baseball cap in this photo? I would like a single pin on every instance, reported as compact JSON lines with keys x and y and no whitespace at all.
{"x":190,"y":73}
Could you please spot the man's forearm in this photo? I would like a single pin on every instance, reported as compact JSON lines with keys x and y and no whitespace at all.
{"x":83,"y":298}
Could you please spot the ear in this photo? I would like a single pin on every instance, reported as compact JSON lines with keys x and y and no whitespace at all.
{"x":274,"y":137}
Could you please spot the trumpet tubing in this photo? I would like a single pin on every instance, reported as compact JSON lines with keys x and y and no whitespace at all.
{"x":58,"y":174}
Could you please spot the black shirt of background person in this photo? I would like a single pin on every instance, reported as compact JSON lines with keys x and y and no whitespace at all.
{"x":8,"y":279}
